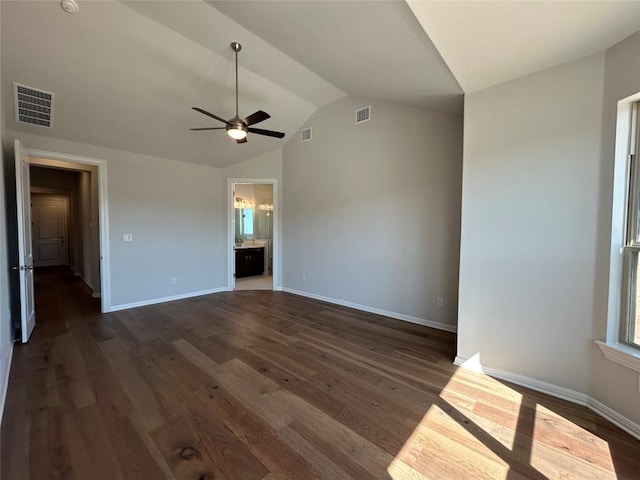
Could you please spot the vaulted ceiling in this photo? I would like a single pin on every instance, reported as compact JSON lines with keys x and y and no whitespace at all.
{"x":126,"y":74}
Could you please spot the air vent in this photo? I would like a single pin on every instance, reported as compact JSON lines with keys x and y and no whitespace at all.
{"x":363,"y":114}
{"x":33,"y":106}
{"x":305,"y":134}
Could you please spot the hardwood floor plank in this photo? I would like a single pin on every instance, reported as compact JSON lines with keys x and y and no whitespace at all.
{"x":322,"y":464}
{"x":133,"y":456}
{"x":136,"y":389}
{"x":90,"y":448}
{"x":242,"y":382}
{"x":71,"y":371}
{"x":230,"y":456}
{"x":368,"y":455}
{"x":15,"y":434}
{"x":333,"y":452}
{"x":182,"y":451}
{"x":272,"y":451}
{"x":140,"y":426}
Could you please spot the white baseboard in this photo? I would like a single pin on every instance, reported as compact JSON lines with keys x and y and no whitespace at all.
{"x":87,"y":282}
{"x":607,"y":413}
{"x":5,"y":382}
{"x":614,"y":417}
{"x":377,"y":311}
{"x":153,"y":301}
{"x":532,"y":383}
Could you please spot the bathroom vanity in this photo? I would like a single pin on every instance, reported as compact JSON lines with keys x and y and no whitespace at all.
{"x":249,"y":261}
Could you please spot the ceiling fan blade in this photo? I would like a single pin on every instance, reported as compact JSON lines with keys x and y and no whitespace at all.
{"x":209,"y":128}
{"x":242,"y":140}
{"x":209,"y":114}
{"x":256,"y":117}
{"x":268,"y":133}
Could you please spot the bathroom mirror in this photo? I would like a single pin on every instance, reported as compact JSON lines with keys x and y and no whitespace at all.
{"x":264,"y":224}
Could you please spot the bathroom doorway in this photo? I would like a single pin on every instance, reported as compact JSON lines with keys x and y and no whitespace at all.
{"x":253,"y":234}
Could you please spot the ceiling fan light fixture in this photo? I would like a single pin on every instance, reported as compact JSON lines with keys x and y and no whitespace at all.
{"x":237,"y":133}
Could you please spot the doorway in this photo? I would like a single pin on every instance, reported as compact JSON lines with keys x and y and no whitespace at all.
{"x":83,"y":181}
{"x":22,"y":298}
{"x":253,"y":234}
{"x":64,"y":211}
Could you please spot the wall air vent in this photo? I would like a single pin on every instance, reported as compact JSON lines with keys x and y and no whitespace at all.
{"x":33,"y":106}
{"x":305,"y":134}
{"x":363,"y":114}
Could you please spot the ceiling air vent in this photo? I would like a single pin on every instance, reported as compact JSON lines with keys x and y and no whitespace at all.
{"x":305,"y":134}
{"x":33,"y":106}
{"x":363,"y":114}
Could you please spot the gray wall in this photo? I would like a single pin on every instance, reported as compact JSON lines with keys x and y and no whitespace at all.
{"x":176,"y":213}
{"x":268,"y":165}
{"x":529,"y":222}
{"x":372,"y":211}
{"x":536,"y":225}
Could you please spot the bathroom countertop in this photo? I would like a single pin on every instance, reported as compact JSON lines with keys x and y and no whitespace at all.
{"x":244,"y":246}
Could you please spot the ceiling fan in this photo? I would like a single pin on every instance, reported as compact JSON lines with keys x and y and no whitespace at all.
{"x":237,"y":127}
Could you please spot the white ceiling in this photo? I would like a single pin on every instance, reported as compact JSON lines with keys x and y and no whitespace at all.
{"x":489,"y":42}
{"x":372,"y":49}
{"x":126,"y":74}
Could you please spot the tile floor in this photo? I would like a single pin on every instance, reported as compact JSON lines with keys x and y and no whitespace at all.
{"x":258,"y":282}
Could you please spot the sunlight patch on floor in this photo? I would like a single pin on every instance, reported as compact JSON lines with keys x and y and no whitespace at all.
{"x":554,"y":434}
{"x":399,"y":470}
{"x":442,"y":446}
{"x":490,"y":405}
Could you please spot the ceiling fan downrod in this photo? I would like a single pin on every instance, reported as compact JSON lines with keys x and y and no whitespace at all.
{"x":236,"y":47}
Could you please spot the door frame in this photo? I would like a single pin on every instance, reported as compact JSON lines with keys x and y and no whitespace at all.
{"x":103,"y":214}
{"x":231,"y":230}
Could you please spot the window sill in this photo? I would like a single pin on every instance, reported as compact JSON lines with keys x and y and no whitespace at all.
{"x":620,"y":353}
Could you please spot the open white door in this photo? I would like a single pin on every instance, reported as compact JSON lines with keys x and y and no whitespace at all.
{"x":25,"y":251}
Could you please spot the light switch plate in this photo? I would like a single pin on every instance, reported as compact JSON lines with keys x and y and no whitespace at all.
{"x":127,"y":237}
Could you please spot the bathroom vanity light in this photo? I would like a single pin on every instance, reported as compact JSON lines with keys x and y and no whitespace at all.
{"x":240,"y":202}
{"x":266,"y":206}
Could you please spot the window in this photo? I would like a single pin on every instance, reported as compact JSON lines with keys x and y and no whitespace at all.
{"x":247,"y":223}
{"x":630,"y":322}
{"x":622,"y":342}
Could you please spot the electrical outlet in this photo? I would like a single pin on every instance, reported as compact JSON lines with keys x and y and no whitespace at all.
{"x":439,"y":302}
{"x":174,"y":281}
{"x":304,"y":277}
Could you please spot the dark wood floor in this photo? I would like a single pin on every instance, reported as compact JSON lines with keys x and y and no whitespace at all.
{"x":266,"y":385}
